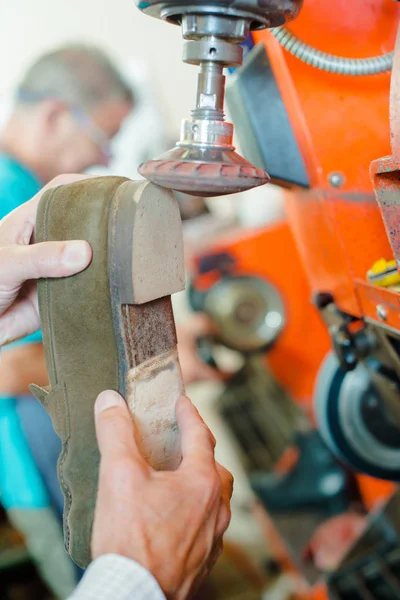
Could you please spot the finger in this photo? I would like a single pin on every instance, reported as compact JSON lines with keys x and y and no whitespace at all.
{"x":197,"y":370}
{"x":115,"y":431}
{"x":210,"y":561}
{"x":197,"y":441}
{"x":227,"y":481}
{"x":193,"y":370}
{"x":206,"y":373}
{"x":198,"y":324}
{"x":224,"y":515}
{"x":20,"y":320}
{"x":49,"y":259}
{"x":215,"y":554}
{"x":223,"y":518}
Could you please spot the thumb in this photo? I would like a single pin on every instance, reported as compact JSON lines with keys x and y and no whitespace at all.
{"x":48,"y":259}
{"x":115,"y":430}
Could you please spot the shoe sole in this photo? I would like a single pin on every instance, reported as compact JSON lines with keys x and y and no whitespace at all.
{"x":141,"y":302}
{"x":143,"y":264}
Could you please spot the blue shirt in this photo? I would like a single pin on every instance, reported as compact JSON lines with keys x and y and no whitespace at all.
{"x":21,"y":485}
{"x":17,"y":184}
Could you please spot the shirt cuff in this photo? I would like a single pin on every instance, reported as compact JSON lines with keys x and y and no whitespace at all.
{"x":118,"y":578}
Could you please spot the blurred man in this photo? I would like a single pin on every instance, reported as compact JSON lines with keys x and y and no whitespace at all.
{"x":68,"y":107}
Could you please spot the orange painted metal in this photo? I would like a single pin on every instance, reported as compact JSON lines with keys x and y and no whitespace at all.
{"x":371,"y":297}
{"x":345,"y":120}
{"x":374,"y":491}
{"x":271,"y":253}
{"x":341,"y":124}
{"x":318,"y":593}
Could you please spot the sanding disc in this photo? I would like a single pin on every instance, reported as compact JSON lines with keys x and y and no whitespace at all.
{"x":203,"y":171}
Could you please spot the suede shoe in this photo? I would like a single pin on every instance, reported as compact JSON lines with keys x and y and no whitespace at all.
{"x":110,"y":327}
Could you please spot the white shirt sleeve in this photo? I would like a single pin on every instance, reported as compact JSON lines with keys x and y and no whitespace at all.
{"x":113,"y":577}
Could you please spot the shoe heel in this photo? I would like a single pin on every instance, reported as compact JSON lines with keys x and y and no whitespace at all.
{"x":146,"y":266}
{"x":146,"y":219}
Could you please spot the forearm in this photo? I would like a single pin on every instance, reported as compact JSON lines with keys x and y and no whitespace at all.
{"x":21,"y":366}
{"x":112,"y":577}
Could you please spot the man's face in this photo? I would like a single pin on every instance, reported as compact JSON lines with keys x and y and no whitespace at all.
{"x":84,"y":138}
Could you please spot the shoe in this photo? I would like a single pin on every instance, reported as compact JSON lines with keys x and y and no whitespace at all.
{"x":110,"y":327}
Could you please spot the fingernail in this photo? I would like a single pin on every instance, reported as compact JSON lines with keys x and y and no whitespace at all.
{"x":108,"y":399}
{"x":76,"y":255}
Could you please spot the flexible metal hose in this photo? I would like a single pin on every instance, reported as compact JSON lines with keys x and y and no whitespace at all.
{"x":329,"y":62}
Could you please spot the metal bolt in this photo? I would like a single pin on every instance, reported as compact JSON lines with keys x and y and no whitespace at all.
{"x":336,"y":179}
{"x":381,"y":312}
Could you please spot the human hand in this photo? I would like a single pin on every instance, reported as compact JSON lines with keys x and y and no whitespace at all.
{"x":20,"y":366}
{"x":193,"y":367}
{"x":22,"y":262}
{"x":170,"y":522}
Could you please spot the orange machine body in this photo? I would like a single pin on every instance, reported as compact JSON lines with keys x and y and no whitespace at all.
{"x":341,"y":124}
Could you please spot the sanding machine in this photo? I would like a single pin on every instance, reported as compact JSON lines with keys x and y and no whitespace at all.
{"x":204,"y":161}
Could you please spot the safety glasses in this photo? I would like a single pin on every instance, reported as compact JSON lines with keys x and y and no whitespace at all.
{"x":81,"y":118}
{"x":93,"y":131}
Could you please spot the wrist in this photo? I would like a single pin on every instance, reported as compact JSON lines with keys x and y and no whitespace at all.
{"x":113,"y":575}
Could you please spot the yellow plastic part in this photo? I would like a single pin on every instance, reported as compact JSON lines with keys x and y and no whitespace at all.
{"x":384,"y":273}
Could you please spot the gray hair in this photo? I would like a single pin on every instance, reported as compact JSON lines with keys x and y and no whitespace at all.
{"x":76,"y":74}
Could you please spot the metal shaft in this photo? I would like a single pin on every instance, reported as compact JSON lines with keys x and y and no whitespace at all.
{"x":210,"y":92}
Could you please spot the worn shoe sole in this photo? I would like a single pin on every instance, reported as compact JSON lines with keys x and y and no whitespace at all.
{"x":110,"y":327}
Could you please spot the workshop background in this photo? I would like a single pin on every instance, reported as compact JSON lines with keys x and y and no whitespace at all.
{"x":121,"y":29}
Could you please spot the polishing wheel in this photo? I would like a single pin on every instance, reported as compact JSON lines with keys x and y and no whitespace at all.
{"x":354,"y":422}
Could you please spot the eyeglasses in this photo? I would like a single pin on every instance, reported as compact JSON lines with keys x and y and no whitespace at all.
{"x":81,"y":118}
{"x":93,"y":131}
